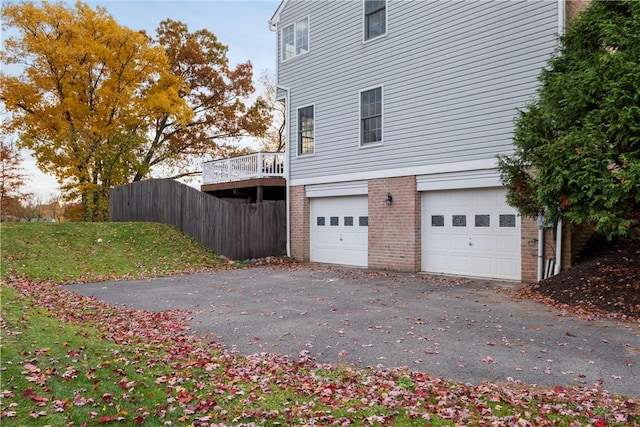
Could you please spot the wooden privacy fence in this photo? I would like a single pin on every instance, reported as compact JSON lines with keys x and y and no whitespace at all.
{"x":237,"y":231}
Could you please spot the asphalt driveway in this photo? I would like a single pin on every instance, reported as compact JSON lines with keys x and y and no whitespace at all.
{"x":465,"y":330}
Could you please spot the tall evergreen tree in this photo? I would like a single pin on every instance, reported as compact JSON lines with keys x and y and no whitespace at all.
{"x":577,"y":145}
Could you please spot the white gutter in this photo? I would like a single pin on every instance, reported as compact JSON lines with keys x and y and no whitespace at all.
{"x":558,"y":246}
{"x":540,"y":275}
{"x":273,"y":26}
{"x":562,"y":16}
{"x":287,"y":167}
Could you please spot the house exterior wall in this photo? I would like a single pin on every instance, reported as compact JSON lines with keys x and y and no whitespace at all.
{"x":452,"y":75}
{"x":394,"y":230}
{"x":463,"y":74}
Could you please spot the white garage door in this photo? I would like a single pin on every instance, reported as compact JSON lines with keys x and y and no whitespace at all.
{"x":470,"y":233}
{"x":339,"y":230}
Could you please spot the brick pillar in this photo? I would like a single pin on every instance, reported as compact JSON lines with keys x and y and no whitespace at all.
{"x":528,"y":250}
{"x":299,"y":223}
{"x":394,"y":230}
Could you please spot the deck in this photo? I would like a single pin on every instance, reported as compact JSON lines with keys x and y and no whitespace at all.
{"x":254,"y":176}
{"x":251,"y":166}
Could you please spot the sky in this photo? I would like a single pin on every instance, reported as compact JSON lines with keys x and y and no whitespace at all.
{"x":242,"y":25}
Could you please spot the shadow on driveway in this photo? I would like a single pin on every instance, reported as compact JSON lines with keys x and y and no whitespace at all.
{"x":465,"y":330}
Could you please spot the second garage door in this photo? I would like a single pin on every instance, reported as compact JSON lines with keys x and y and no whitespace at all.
{"x":339,"y":230}
{"x":471,"y":233}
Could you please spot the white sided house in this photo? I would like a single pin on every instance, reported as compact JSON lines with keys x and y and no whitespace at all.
{"x":396,"y":111}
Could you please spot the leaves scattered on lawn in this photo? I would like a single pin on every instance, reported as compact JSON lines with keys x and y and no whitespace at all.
{"x":145,"y":365}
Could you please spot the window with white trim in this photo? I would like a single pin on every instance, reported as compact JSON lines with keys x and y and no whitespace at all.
{"x":375,"y":18}
{"x":371,"y":116}
{"x":295,"y":39}
{"x":306,"y":130}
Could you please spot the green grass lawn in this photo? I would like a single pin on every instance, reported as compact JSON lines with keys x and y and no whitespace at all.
{"x":81,"y":252}
{"x":72,"y":360}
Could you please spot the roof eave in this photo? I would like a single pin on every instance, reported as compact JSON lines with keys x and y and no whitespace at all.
{"x":275,"y":19}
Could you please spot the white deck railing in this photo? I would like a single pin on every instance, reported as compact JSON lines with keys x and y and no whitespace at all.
{"x":257,"y":165}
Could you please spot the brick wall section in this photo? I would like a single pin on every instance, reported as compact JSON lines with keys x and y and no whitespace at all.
{"x":528,"y":250}
{"x":573,"y":7}
{"x":299,"y":223}
{"x":550,"y":244}
{"x":576,"y":239}
{"x":394,"y":231}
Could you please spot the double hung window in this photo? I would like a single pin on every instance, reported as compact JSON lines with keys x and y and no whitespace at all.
{"x":371,"y":116}
{"x":295,"y":39}
{"x":306,"y":130}
{"x":375,"y":18}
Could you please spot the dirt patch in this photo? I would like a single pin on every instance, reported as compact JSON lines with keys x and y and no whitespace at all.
{"x":604,"y":280}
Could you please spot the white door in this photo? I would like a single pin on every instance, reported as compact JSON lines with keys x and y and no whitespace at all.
{"x":339,"y":230}
{"x":470,"y":233}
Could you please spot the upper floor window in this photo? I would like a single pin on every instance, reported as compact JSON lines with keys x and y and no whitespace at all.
{"x":371,"y":116}
{"x":306,"y":130}
{"x":375,"y":18}
{"x":295,"y":39}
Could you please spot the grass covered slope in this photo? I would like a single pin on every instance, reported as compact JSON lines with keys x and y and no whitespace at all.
{"x":71,"y":360}
{"x":83,"y":252}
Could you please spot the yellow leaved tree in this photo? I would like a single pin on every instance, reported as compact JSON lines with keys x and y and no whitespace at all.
{"x":87,"y":93}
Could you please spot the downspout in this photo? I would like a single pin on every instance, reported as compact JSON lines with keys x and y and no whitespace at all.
{"x":287,"y":169}
{"x":562,"y":11}
{"x":287,"y":150}
{"x":273,"y":26}
{"x":540,"y":250}
{"x":558,"y":247}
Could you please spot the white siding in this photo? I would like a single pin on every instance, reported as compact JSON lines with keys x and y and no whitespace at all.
{"x":453,"y":73}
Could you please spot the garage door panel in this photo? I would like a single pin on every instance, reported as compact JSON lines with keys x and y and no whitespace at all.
{"x":457,"y":242}
{"x":442,"y":243}
{"x":483,"y":265}
{"x":343,"y":239}
{"x":459,"y":203}
{"x":440,"y":262}
{"x":508,"y":267}
{"x":470,"y":232}
{"x":459,"y":262}
{"x":480,"y":201}
{"x":482,"y":243}
{"x":504,"y":244}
